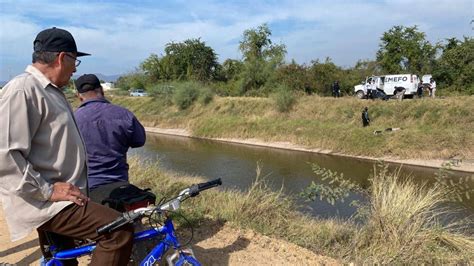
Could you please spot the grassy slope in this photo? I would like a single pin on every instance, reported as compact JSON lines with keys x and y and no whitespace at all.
{"x":432,"y":129}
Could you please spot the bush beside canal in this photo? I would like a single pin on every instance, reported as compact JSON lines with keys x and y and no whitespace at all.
{"x":401,"y":222}
{"x":430,"y":128}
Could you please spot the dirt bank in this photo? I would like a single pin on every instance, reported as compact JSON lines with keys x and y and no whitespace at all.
{"x":214,"y":244}
{"x":458,"y":165}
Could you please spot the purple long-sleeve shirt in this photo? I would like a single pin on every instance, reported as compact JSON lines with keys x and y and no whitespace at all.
{"x":108,"y":131}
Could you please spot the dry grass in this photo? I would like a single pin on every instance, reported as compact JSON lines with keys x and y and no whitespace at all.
{"x":405,"y":224}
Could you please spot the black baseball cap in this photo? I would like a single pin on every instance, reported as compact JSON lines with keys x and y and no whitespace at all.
{"x":87,"y":79}
{"x":56,"y":40}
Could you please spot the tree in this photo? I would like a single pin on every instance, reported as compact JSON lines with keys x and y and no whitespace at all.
{"x":323,"y":75}
{"x":152,"y":67}
{"x":261,"y":58}
{"x":231,"y":69}
{"x":358,"y":73}
{"x":197,"y":59}
{"x":257,"y":45}
{"x":188,"y":60}
{"x":404,"y":49}
{"x":295,"y":77}
{"x":456,"y":65}
{"x":132,"y":80}
{"x":364,"y":68}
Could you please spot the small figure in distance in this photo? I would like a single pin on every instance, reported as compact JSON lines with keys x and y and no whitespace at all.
{"x":365,"y":117}
{"x":336,"y":90}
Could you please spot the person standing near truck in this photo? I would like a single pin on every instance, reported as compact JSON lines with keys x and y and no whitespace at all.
{"x":369,"y":87}
{"x":374,"y":91}
{"x":432,"y":87}
{"x":399,"y":93}
{"x":419,"y":91}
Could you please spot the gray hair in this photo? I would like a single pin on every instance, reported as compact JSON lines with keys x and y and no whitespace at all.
{"x":44,"y":57}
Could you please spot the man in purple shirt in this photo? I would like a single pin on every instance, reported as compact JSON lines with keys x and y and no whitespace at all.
{"x":108,"y":131}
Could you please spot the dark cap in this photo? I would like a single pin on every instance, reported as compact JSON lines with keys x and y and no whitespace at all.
{"x":56,"y":40}
{"x":87,"y":79}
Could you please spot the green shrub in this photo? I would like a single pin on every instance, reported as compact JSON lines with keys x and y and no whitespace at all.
{"x":162,"y":91}
{"x":284,"y":99}
{"x":229,"y":88}
{"x":205,"y":96}
{"x":185,"y":94}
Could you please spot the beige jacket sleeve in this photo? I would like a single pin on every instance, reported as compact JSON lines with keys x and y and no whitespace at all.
{"x":19,"y":120}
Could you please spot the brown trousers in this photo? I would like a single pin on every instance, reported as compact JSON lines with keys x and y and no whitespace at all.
{"x":81,"y":222}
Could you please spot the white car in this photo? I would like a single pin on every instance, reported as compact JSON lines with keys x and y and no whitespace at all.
{"x":138,"y":93}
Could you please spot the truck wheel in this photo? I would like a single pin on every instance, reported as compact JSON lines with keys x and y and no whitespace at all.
{"x":360,"y":94}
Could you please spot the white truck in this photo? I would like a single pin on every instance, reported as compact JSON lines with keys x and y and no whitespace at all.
{"x":387,"y":84}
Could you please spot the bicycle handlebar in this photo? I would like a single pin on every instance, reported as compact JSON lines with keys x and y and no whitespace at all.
{"x":210,"y":184}
{"x":129,"y":217}
{"x":195,"y":189}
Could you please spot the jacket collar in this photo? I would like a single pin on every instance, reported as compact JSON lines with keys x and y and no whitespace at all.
{"x":95,"y":100}
{"x":44,"y":81}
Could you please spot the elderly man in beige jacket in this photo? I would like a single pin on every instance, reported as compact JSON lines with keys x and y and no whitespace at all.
{"x":43,"y":171}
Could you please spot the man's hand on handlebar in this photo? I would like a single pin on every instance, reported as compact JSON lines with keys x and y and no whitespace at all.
{"x":67,"y":192}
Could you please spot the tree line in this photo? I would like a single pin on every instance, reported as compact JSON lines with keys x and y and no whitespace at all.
{"x":263,"y":70}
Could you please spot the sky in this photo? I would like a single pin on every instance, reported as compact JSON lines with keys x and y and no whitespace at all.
{"x":121,"y":34}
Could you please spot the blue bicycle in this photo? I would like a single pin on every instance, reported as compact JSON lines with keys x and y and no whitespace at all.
{"x":164,"y":233}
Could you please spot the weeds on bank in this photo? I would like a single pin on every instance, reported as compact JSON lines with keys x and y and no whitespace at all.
{"x":284,"y":99}
{"x":404,"y":222}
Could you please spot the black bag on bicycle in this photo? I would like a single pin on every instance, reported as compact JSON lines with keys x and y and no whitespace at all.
{"x":126,"y":197}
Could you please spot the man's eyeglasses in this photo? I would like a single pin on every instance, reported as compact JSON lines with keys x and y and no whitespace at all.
{"x":78,"y":62}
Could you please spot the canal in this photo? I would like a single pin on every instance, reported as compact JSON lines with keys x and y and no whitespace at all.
{"x":291,"y":170}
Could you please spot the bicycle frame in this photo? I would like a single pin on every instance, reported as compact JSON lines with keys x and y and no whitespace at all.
{"x":155,"y":255}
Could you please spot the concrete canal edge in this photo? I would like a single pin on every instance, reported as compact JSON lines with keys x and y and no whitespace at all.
{"x":466,"y":165}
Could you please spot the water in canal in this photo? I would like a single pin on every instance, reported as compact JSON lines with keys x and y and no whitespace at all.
{"x":236,"y":164}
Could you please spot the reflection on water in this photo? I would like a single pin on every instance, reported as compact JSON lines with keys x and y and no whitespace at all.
{"x":236,"y":165}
